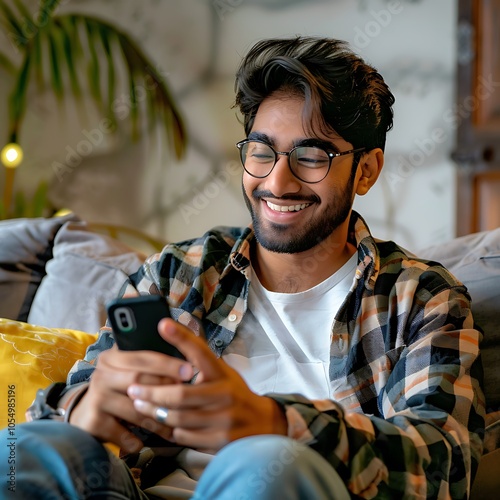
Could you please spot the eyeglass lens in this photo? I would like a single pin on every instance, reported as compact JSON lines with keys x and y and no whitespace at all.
{"x":308,"y":163}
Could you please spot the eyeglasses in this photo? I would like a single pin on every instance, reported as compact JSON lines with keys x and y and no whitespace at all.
{"x":309,"y":164}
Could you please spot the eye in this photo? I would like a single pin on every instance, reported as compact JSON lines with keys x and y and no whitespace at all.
{"x":259,"y":152}
{"x":309,"y":157}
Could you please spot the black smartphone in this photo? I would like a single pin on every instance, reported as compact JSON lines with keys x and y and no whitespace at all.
{"x":134,"y":321}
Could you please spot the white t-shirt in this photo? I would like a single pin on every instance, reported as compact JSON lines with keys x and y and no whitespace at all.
{"x":283,"y":342}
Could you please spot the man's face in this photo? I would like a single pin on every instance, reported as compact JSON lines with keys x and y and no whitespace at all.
{"x":291,"y":216}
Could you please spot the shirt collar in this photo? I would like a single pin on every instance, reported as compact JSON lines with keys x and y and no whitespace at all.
{"x":368,"y":254}
{"x":239,"y":258}
{"x":359,"y":235}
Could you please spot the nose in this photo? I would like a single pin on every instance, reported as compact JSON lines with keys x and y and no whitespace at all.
{"x":281,"y":180}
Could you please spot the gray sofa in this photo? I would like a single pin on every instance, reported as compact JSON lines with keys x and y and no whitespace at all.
{"x":475,"y":260}
{"x":48,"y":263}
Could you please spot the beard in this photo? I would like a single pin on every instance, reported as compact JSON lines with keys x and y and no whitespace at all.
{"x":282,"y":238}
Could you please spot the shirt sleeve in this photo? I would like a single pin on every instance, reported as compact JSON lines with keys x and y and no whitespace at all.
{"x":426,"y":440}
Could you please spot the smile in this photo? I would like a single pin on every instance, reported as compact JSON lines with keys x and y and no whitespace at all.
{"x":290,"y":208}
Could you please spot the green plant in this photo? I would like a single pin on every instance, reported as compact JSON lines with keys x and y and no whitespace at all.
{"x":77,"y":54}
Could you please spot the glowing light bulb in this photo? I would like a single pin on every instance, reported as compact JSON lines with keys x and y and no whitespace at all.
{"x":11,"y":155}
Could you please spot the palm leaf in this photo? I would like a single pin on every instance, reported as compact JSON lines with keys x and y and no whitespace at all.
{"x":19,"y":205}
{"x":131,"y":62}
{"x":13,"y":26}
{"x":39,"y":202}
{"x":46,"y":11}
{"x":64,"y":43}
{"x":18,"y":98}
{"x":38,"y":62}
{"x":55,"y":68}
{"x":163,"y":105}
{"x":29,"y":26}
{"x":107,"y":38}
{"x":70,"y":47}
{"x":93,"y":65}
{"x":134,"y":105}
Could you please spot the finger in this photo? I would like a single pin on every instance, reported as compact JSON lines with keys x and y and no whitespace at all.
{"x":119,"y":375}
{"x":130,"y":437}
{"x":113,"y":417}
{"x":147,"y":362}
{"x":194,"y":348}
{"x":187,"y":419}
{"x":151,"y":410}
{"x":210,"y":395}
{"x":147,"y":424}
{"x":95,"y":414}
{"x":106,"y":404}
{"x":108,"y":380}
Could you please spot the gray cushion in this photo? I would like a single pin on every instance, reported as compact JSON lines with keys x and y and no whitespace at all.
{"x":87,"y":270}
{"x":475,"y":260}
{"x":25,"y":247}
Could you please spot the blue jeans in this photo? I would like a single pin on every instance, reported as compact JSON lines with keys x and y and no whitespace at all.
{"x":51,"y":460}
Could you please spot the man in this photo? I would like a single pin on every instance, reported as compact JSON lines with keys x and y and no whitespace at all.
{"x":324,"y":363}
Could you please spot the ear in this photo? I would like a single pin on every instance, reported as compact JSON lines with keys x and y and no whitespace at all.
{"x":369,"y":169}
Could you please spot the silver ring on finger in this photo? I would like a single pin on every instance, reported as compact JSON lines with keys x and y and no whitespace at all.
{"x":161,"y":414}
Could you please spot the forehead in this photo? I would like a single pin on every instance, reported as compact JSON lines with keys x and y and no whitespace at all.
{"x":284,"y":117}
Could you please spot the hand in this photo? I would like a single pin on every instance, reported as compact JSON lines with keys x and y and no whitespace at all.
{"x":105,"y":406}
{"x":217,"y":409}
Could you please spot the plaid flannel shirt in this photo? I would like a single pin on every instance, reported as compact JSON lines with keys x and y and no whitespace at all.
{"x":407,"y":416}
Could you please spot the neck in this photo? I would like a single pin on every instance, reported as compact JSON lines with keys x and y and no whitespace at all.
{"x":293,"y":273}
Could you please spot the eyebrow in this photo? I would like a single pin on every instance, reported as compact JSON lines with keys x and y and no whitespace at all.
{"x":318,"y":143}
{"x":307,"y":142}
{"x":259,"y":136}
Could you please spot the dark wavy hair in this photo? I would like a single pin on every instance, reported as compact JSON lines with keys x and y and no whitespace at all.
{"x":341,"y":91}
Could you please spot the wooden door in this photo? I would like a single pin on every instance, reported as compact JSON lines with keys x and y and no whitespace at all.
{"x":476,"y":116}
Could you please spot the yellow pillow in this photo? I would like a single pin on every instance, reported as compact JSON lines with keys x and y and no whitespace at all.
{"x":32,"y":357}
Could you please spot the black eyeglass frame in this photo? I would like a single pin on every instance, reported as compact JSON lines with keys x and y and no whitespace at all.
{"x":330,"y":155}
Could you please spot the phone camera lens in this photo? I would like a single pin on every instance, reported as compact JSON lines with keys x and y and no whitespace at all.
{"x":124,"y":320}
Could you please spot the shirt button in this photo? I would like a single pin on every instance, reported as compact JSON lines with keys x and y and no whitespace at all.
{"x":232,"y":317}
{"x":219,"y":343}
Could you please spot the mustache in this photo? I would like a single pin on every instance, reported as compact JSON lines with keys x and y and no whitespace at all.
{"x":263,"y":193}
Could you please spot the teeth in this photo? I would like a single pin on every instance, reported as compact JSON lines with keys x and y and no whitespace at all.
{"x":291,"y":208}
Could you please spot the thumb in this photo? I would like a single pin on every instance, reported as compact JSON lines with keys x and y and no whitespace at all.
{"x":194,"y":348}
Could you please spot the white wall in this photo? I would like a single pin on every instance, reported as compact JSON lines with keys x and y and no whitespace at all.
{"x":198,"y":45}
